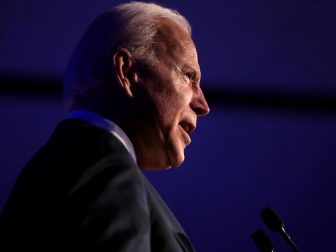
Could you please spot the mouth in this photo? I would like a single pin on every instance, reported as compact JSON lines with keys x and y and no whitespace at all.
{"x":188,"y":127}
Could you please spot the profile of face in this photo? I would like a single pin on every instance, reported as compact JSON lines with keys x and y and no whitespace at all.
{"x":169,"y":100}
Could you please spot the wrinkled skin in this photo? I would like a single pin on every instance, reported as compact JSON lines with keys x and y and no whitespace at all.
{"x":168,"y":100}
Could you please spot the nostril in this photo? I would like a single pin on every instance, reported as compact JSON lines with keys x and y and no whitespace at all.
{"x":202,"y":108}
{"x":202,"y":112}
{"x":199,"y":104}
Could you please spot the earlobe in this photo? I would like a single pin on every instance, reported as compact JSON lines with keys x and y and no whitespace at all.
{"x":135,"y":79}
{"x":124,"y":69}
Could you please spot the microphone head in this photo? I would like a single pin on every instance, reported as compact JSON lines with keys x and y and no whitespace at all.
{"x":262,"y":241}
{"x":272,"y":219}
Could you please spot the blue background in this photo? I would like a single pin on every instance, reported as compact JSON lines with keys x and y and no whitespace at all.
{"x":243,"y":156}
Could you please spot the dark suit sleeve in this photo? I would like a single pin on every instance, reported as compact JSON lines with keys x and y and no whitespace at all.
{"x":107,"y":208}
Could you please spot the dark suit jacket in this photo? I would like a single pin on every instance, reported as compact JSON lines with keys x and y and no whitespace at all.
{"x":83,"y":192}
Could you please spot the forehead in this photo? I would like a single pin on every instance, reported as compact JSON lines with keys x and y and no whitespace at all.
{"x":175,"y":43}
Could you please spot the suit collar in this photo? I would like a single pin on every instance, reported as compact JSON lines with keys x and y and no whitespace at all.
{"x":104,"y":123}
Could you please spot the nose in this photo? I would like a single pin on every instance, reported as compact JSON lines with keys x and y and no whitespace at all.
{"x":199,"y":103}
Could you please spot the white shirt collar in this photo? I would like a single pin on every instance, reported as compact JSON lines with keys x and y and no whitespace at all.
{"x":102,"y":122}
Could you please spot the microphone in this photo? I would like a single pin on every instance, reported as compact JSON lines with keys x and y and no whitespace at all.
{"x":262,"y":241}
{"x":274,"y":222}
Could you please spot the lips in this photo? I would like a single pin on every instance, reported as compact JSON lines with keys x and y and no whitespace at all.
{"x":188,"y":127}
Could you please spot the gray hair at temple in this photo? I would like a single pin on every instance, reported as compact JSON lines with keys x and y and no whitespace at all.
{"x":132,"y":26}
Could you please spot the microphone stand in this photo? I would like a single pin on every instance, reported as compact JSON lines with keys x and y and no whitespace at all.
{"x":289,"y":240}
{"x":274,"y":222}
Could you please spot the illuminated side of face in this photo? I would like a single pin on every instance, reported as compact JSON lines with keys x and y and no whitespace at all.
{"x":173,"y":97}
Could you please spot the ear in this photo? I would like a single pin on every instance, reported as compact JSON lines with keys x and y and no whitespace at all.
{"x":125,"y":70}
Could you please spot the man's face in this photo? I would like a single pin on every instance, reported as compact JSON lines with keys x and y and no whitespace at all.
{"x":173,"y":100}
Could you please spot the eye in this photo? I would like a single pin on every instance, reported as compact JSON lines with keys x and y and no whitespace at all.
{"x":190,"y":76}
{"x":192,"y":79}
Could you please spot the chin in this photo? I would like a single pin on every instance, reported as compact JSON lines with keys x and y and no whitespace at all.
{"x":172,"y":162}
{"x":164,"y":163}
{"x":176,"y":158}
{"x":169,"y":156}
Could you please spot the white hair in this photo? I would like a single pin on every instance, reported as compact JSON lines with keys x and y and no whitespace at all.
{"x":132,"y":26}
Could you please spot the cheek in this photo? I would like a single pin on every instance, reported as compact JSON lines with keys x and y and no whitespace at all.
{"x":172,"y":108}
{"x":171,"y":101}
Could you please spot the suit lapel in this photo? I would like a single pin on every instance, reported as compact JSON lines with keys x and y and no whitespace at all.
{"x":184,"y":242}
